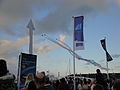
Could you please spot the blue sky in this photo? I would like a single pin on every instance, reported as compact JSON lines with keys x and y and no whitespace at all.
{"x":55,"y":19}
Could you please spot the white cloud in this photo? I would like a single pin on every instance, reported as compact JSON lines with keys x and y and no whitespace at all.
{"x":44,"y":48}
{"x":11,"y":47}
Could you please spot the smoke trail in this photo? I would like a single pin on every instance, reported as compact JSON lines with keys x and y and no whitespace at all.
{"x":65,"y":46}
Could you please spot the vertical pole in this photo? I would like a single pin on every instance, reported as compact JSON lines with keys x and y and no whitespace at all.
{"x":74,"y":68}
{"x":74,"y":56}
{"x":30,"y":26}
{"x":31,"y":41}
{"x":58,"y":75}
{"x":69,"y":67}
{"x":107,"y":70}
{"x":19,"y":71}
{"x":108,"y":75}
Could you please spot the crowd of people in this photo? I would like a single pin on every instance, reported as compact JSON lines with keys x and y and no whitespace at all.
{"x":41,"y":81}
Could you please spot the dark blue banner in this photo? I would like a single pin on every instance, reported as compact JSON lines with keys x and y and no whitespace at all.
{"x":78,"y":33}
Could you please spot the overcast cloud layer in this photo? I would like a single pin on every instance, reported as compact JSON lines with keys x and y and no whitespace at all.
{"x":56,"y":13}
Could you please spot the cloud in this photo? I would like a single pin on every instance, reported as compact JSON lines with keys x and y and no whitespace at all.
{"x":116,"y":55}
{"x":49,"y":15}
{"x":117,"y":67}
{"x":12,"y":64}
{"x":45,"y":48}
{"x":118,"y":2}
{"x":8,"y":48}
{"x":59,"y":20}
{"x":62,"y":37}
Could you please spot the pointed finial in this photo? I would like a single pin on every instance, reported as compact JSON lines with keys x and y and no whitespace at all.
{"x":30,"y":25}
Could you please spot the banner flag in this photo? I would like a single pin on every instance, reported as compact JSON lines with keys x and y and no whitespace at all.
{"x":78,"y":33}
{"x":109,"y":58}
{"x":103,"y":43}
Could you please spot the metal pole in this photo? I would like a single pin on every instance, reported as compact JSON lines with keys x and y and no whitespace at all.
{"x":108,"y":75}
{"x":107,"y":70}
{"x":74,"y":69}
{"x":74,"y":56}
{"x":19,"y":71}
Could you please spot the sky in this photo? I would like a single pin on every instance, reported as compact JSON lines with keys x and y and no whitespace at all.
{"x":54,"y":18}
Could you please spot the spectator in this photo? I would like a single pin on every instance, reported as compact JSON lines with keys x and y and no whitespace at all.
{"x":85,"y":85}
{"x":93,"y":84}
{"x":29,"y":83}
{"x":89,"y":82}
{"x":6,"y":78}
{"x":79,"y":85}
{"x":100,"y":79}
{"x":42,"y":82}
{"x":63,"y":85}
{"x":3,"y":68}
{"x":56,"y":84}
{"x":98,"y":87}
{"x":116,"y":85}
{"x":70,"y":83}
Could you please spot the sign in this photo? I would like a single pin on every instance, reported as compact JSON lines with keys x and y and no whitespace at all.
{"x":27,"y":64}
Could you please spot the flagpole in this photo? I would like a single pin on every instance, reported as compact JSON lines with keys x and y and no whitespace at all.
{"x":74,"y":56}
{"x":74,"y":66}
{"x":107,"y":69}
{"x":108,"y":75}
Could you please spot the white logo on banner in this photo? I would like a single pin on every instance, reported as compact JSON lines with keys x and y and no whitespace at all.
{"x":78,"y":27}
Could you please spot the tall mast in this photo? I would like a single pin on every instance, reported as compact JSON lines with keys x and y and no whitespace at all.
{"x":30,"y":26}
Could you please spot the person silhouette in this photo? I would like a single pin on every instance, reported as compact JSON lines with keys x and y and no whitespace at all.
{"x":100,"y":79}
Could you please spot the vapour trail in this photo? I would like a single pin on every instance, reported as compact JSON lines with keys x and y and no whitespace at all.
{"x":65,"y":46}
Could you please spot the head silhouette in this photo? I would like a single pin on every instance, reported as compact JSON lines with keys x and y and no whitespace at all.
{"x":98,"y":71}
